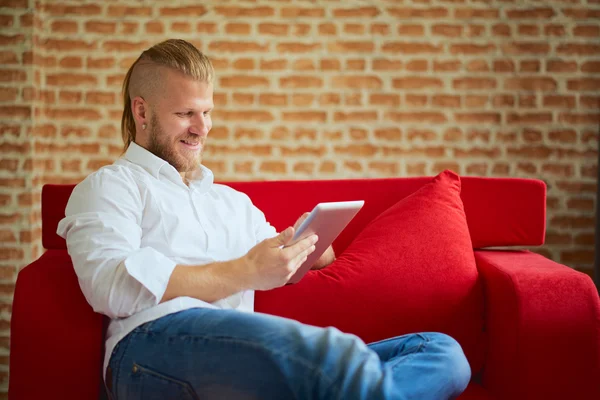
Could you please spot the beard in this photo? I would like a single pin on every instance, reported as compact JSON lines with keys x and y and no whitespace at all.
{"x":183,"y":160}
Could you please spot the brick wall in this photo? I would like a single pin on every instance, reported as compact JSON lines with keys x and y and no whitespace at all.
{"x":312,"y":89}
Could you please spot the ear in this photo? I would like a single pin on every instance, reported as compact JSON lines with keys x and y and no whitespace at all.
{"x":139,"y":109}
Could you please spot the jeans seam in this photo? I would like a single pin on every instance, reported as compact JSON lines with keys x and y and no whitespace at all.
{"x":419,"y":349}
{"x":118,"y":364}
{"x":171,"y":380}
{"x":299,"y":360}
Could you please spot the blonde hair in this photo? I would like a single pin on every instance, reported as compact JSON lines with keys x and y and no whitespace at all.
{"x":143,"y":75}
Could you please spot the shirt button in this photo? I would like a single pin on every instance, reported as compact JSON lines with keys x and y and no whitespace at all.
{"x":135,"y":369}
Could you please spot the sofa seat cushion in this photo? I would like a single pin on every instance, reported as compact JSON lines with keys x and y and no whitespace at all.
{"x":411,"y":269}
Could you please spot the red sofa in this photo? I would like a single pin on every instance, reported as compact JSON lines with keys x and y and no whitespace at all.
{"x":530,"y":327}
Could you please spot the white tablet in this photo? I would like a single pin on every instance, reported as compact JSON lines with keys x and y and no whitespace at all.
{"x":327,"y":220}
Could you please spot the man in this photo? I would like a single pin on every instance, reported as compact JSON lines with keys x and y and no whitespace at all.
{"x":173,"y":259}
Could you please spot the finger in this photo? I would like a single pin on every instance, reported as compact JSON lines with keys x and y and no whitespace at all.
{"x":301,"y":257}
{"x":283,"y":238}
{"x":301,"y":220}
{"x":300,"y":246}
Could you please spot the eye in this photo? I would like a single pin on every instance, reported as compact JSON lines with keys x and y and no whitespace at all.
{"x":206,"y":113}
{"x":185,"y":114}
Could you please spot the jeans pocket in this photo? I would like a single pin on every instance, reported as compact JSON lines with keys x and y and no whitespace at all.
{"x":151,"y":384}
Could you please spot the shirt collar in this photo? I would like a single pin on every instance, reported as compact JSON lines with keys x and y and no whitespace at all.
{"x":201,"y":178}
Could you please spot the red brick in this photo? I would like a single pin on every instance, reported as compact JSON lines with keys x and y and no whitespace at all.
{"x":300,"y":82}
{"x":356,"y":82}
{"x":416,"y":82}
{"x":591,"y":66}
{"x":530,"y":66}
{"x":529,"y":118}
{"x":8,"y":94}
{"x":559,"y":101}
{"x":411,"y":30}
{"x":71,"y":62}
{"x":469,"y":48}
{"x":417,"y":65}
{"x":445,"y":66}
{"x":531,"y":13}
{"x":237,"y":46}
{"x":356,"y":116}
{"x":530,"y":84}
{"x":581,"y":13}
{"x":504,"y":66}
{"x":348,"y":46}
{"x":554,"y":30}
{"x":64,"y":26}
{"x":245,"y":116}
{"x":392,"y":100}
{"x":277,"y":167}
{"x":476,"y":13}
{"x":237,"y":28}
{"x":273,"y":29}
{"x":189,"y":11}
{"x":411,"y":48}
{"x":425,"y":13}
{"x":13,"y":75}
{"x":386,"y":64}
{"x":206,"y":27}
{"x":298,"y":47}
{"x":530,"y":151}
{"x":61,"y":45}
{"x":584,"y":84}
{"x":15,"y":111}
{"x":501,"y":30}
{"x":100,"y":27}
{"x":478,"y":118}
{"x":8,"y":57}
{"x":528,"y":30}
{"x":447,"y":30}
{"x":441,"y":100}
{"x":587,"y":31}
{"x":70,"y":79}
{"x":235,"y":12}
{"x":516,"y":48}
{"x":379,"y":28}
{"x":357,"y":149}
{"x":62,"y":10}
{"x":580,"y":49}
{"x":356,"y":65}
{"x":327,"y":29}
{"x":590,"y":102}
{"x":272,"y":99}
{"x":417,"y":116}
{"x":280,"y":64}
{"x":561,"y":66}
{"x":421,"y":134}
{"x":355,"y":12}
{"x":579,"y":118}
{"x":296,"y":12}
{"x":474,"y":83}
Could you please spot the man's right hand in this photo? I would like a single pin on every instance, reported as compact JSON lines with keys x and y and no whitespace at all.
{"x":269,"y":265}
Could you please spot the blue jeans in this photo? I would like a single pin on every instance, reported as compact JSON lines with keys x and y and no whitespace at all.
{"x":226,"y":354}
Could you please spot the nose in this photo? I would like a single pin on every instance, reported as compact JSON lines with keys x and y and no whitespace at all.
{"x":200,"y":125}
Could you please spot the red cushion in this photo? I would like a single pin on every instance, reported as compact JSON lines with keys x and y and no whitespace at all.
{"x":411,"y":269}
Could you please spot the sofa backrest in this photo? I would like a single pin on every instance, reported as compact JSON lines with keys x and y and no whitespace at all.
{"x":500,"y":211}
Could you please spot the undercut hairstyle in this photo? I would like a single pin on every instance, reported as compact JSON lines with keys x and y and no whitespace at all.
{"x":144,"y":76}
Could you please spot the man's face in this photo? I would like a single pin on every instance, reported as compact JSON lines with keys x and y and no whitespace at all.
{"x":179,"y":121}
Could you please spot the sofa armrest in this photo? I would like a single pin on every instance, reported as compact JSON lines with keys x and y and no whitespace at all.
{"x":56,"y":340}
{"x":543,"y":325}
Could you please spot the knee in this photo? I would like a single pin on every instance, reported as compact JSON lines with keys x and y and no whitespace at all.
{"x":452,"y":360}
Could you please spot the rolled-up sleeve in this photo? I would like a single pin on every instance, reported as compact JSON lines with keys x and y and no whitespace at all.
{"x":102,"y":227}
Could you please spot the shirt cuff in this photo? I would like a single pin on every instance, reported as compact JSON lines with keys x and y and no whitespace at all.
{"x":152,"y":269}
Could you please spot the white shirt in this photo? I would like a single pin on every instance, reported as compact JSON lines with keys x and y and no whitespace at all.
{"x":129,"y":224}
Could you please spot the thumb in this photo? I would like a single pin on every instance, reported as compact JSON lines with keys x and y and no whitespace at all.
{"x":284,"y":237}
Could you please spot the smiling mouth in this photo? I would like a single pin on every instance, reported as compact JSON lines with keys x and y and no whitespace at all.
{"x":191,"y":144}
